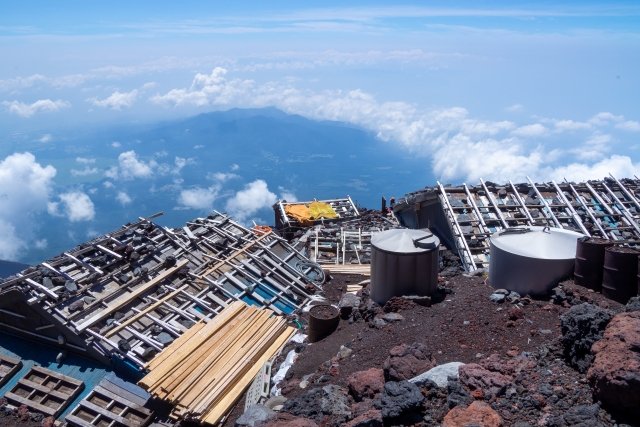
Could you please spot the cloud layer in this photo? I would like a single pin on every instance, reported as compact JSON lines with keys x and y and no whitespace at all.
{"x":25,"y":188}
{"x":460,"y":146}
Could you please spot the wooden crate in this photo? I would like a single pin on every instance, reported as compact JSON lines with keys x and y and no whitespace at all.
{"x":44,"y":391}
{"x":8,"y":367}
{"x":109,"y":405}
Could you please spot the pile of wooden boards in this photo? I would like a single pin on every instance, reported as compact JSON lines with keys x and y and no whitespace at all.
{"x":204,"y":371}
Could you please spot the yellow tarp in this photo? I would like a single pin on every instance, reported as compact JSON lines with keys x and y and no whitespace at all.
{"x":307,"y":214}
{"x":298,"y":212}
{"x":321,"y":210}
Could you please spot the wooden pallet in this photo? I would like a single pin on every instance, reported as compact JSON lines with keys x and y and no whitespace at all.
{"x":109,"y":406}
{"x":44,"y":391}
{"x":8,"y":367}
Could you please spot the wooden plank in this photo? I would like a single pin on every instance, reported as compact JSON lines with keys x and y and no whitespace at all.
{"x":104,"y":412}
{"x":44,"y":389}
{"x":107,"y":385}
{"x":209,"y":370}
{"x":58,"y":375}
{"x":180,"y":348}
{"x":232,"y":395}
{"x":237,"y":366}
{"x":11,"y":366}
{"x":118,"y":398}
{"x":126,"y":298}
{"x":77,"y":421}
{"x":143,"y":312}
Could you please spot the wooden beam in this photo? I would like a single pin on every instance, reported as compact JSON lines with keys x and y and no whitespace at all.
{"x":142,"y":313}
{"x":119,"y":302}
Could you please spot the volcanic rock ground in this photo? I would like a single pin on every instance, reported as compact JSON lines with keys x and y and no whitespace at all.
{"x":516,"y":370}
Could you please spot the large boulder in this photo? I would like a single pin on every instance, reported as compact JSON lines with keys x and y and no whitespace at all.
{"x":477,"y":414}
{"x":406,"y":361}
{"x":320,"y":403}
{"x":582,"y":325}
{"x":400,"y":400}
{"x":439,"y":375}
{"x":615,"y":372}
{"x":254,"y":415}
{"x":489,"y":383}
{"x":366,"y":384}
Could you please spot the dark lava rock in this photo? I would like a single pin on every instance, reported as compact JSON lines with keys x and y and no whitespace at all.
{"x":582,"y":325}
{"x":76,"y":306}
{"x":456,"y":394}
{"x":407,"y":361}
{"x":400,"y":399}
{"x":348,"y":303}
{"x":371,"y":418}
{"x":633,"y":304}
{"x":615,"y":372}
{"x":582,"y":415}
{"x":254,"y":415}
{"x":366,"y":384}
{"x":319,"y":403}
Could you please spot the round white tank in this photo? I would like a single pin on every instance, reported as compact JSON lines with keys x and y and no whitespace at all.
{"x":403,"y":262}
{"x":531,"y":260}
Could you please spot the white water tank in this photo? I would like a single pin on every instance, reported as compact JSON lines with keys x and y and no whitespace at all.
{"x":403,"y":262}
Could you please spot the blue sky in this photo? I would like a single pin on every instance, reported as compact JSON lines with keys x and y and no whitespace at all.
{"x":555,"y":83}
{"x":498,"y":90}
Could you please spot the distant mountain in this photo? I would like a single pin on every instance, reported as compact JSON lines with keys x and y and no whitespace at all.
{"x":7,"y":268}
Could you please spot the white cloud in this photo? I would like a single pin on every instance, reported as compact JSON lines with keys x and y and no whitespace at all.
{"x":594,"y":147}
{"x":130,"y":167}
{"x":199,"y":197}
{"x":460,"y":146}
{"x":123,"y":198}
{"x":570,"y":126}
{"x":234,"y":167}
{"x":86,"y":171}
{"x":530,"y":131}
{"x":515,"y":108}
{"x":117,"y":100}
{"x":41,"y":244}
{"x":250,"y":200}
{"x":222,"y":176}
{"x":207,"y":89}
{"x":46,"y":138}
{"x":287,"y":195}
{"x":605,"y":118}
{"x":108,"y":184}
{"x":75,"y":205}
{"x":116,"y":144}
{"x":620,"y":166}
{"x":25,"y":188}
{"x":629,"y":125}
{"x":41,"y":105}
{"x":85,"y":160}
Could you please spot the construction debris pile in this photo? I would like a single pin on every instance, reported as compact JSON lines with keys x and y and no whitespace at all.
{"x":203,"y":372}
{"x":341,"y":243}
{"x":130,"y":293}
{"x":464,"y":217}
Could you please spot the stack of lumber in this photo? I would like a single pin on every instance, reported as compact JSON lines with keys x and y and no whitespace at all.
{"x":204,"y":371}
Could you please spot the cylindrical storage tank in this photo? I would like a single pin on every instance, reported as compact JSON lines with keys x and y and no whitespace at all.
{"x":531,"y":260}
{"x":403,"y":262}
{"x":619,"y":281}
{"x":590,"y":262}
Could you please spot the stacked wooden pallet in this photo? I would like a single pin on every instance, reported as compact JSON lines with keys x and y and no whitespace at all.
{"x":204,"y":371}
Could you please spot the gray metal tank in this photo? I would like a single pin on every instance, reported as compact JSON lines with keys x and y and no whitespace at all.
{"x":403,"y":262}
{"x":531,"y":260}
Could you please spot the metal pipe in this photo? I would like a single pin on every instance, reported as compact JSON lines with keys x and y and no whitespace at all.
{"x":574,"y":215}
{"x":544,"y":202}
